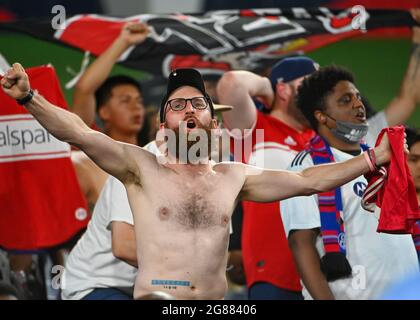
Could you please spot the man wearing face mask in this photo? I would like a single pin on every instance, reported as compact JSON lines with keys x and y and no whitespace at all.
{"x":350,"y":132}
{"x":268,"y":262}
{"x":338,"y":253}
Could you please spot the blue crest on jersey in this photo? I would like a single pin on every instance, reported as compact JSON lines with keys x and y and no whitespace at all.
{"x":359,"y":188}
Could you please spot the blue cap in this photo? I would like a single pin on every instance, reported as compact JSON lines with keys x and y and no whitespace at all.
{"x":289,"y":69}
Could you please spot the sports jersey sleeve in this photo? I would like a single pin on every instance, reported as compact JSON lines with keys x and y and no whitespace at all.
{"x":376,"y":124}
{"x":300,"y":213}
{"x":119,"y":209}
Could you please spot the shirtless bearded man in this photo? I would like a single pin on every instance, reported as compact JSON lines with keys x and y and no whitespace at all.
{"x":182,"y":211}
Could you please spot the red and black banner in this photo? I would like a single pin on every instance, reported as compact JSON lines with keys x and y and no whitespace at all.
{"x":219,"y":40}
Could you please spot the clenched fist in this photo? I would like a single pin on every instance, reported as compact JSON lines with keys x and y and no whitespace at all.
{"x":383,"y":150}
{"x":15,"y":82}
{"x":134,"y":33}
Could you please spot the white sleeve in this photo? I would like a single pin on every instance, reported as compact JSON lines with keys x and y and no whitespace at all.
{"x":152,"y":147}
{"x":376,"y":124}
{"x":119,"y":209}
{"x":300,"y":213}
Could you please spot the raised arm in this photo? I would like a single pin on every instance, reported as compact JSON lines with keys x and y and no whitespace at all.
{"x":403,"y":105}
{"x":236,"y":88}
{"x":263,"y":185}
{"x":114,"y":157}
{"x":84,"y":102}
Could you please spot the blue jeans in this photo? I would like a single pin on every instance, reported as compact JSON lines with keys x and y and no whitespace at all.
{"x":268,"y":291}
{"x":107,"y":294}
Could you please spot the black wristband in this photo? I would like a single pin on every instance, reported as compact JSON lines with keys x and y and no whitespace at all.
{"x":27,"y":98}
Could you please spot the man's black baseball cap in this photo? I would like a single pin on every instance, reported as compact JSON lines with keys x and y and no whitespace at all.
{"x":180,"y":78}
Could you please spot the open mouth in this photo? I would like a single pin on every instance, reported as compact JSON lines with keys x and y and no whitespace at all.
{"x":361,"y":116}
{"x":191,"y":124}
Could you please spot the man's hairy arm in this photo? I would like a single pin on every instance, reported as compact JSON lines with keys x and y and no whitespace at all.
{"x":236,"y":88}
{"x":264,"y":185}
{"x":114,"y":157}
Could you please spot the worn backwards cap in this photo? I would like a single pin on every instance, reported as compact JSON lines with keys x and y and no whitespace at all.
{"x":180,"y":78}
{"x":289,"y":69}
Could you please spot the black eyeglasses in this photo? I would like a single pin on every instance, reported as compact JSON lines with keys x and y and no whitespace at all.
{"x":179,"y":104}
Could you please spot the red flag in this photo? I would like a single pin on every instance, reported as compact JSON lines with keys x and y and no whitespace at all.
{"x":41,"y":202}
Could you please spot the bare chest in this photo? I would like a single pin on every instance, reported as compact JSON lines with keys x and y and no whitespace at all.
{"x":195,"y":203}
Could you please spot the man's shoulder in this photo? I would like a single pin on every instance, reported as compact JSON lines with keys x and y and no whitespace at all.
{"x":226,"y":166}
{"x":235,"y":169}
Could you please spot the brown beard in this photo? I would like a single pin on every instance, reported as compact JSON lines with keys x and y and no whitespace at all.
{"x":190,"y":139}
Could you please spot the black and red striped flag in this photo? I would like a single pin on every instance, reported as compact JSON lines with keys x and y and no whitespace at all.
{"x":221,"y":40}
